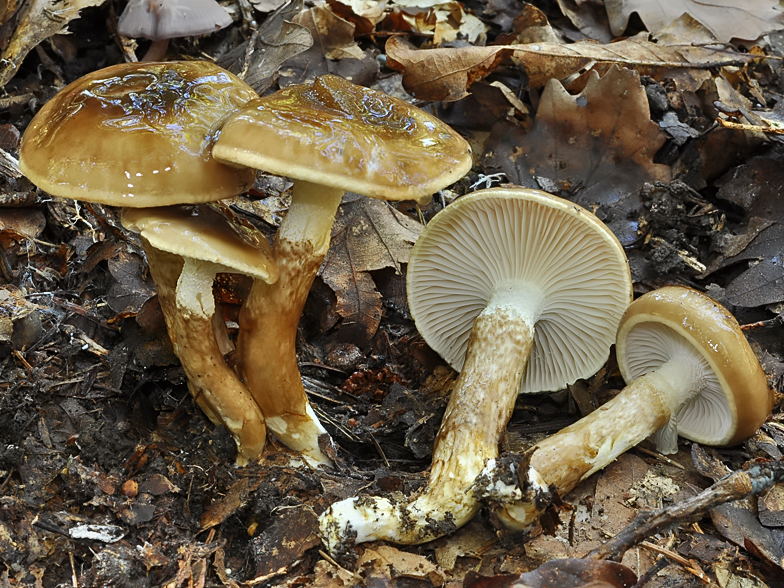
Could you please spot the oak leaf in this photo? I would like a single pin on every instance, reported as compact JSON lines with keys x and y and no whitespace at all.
{"x":446,"y":73}
{"x":368,"y":235}
{"x":596,"y":148}
{"x":726,"y":19}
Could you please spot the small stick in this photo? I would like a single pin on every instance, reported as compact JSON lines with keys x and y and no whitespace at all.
{"x":688,"y":565}
{"x":754,"y":480}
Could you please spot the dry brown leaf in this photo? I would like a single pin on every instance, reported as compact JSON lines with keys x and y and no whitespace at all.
{"x":332,"y":34}
{"x":368,"y":235}
{"x":39,"y":20}
{"x":589,"y":16}
{"x":388,"y":563}
{"x":132,"y":286}
{"x":446,"y":73}
{"x":365,"y":14}
{"x":727,"y":19}
{"x":225,"y":506}
{"x":257,"y":60}
{"x":442,"y":74}
{"x":596,"y":147}
{"x":334,"y":51}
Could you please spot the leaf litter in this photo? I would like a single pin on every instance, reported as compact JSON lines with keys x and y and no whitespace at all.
{"x":110,"y":475}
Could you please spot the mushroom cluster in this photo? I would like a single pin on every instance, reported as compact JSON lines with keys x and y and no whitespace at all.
{"x":690,"y":371}
{"x":139,"y":136}
{"x":329,"y":136}
{"x":522,"y":292}
{"x":150,"y":136}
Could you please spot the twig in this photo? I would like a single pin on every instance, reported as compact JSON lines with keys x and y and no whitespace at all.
{"x":754,"y":480}
{"x":661,"y":457}
{"x":688,"y":565}
{"x":660,"y":564}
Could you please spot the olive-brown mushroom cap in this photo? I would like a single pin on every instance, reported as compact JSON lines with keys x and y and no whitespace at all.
{"x":740,"y":400}
{"x":335,"y":133}
{"x":203,"y":233}
{"x":138,"y":135}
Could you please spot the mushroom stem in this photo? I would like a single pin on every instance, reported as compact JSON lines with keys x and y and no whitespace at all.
{"x":266,"y":346}
{"x":214,"y":385}
{"x":562,"y":460}
{"x":156,"y":51}
{"x":479,"y":408}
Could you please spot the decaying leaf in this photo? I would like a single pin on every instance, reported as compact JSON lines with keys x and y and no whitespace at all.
{"x":367,"y":235}
{"x":597,"y":148}
{"x":130,"y":289}
{"x":334,"y":50}
{"x":365,"y":14}
{"x":388,"y":563}
{"x":565,"y":573}
{"x":333,"y":35}
{"x":278,"y":39}
{"x":589,"y":16}
{"x":757,"y":188}
{"x":737,"y":521}
{"x":228,"y":504}
{"x":727,"y":19}
{"x":446,"y":73}
{"x":282,"y":544}
{"x":39,"y":20}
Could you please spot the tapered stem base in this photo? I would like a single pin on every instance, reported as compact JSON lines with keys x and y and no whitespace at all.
{"x":479,"y":408}
{"x":266,"y":346}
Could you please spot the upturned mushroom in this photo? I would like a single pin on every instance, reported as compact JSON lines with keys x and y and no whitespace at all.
{"x":690,"y":371}
{"x":140,"y":135}
{"x":186,"y":246}
{"x":328,"y":136}
{"x":161,"y":20}
{"x":522,"y":292}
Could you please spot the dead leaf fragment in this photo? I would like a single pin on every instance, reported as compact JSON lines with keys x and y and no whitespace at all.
{"x":332,"y":34}
{"x":442,"y":74}
{"x":727,"y":19}
{"x":596,"y":147}
{"x":227,"y":504}
{"x":368,"y":235}
{"x":39,"y":20}
{"x":283,"y":543}
{"x":388,"y":563}
{"x":257,"y":60}
{"x":446,"y":73}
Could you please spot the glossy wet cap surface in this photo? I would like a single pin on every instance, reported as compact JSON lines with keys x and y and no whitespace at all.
{"x":335,"y":133}
{"x":137,"y":134}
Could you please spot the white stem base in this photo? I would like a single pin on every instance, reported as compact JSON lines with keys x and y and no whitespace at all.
{"x":478,"y":410}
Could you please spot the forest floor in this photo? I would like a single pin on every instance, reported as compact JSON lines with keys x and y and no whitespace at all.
{"x":673,"y":144}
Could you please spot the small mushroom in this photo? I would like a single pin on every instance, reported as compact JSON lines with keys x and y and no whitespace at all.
{"x":690,"y":371}
{"x":161,"y":20}
{"x":186,"y":247}
{"x":328,"y":137}
{"x":140,"y":135}
{"x":522,"y":292}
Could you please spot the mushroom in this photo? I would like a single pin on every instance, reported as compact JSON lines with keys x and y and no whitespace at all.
{"x":522,"y":292}
{"x":690,"y":371}
{"x":186,"y":246}
{"x":328,"y":136}
{"x":140,"y":135}
{"x":161,"y":20}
